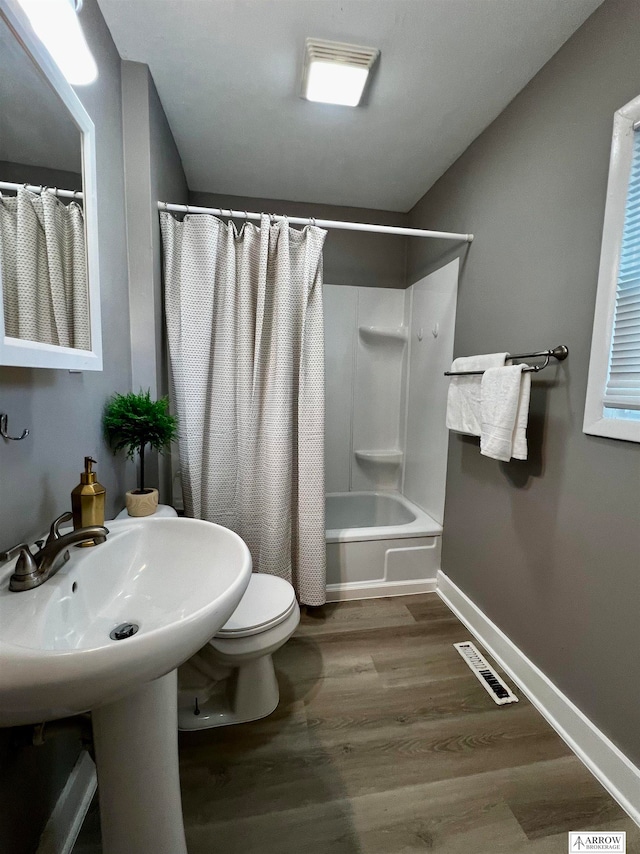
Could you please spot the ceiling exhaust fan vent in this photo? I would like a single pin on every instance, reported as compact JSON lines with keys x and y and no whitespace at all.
{"x":336,"y":73}
{"x":328,"y":51}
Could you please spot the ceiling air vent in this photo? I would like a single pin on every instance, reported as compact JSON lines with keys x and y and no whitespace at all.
{"x":335,"y":72}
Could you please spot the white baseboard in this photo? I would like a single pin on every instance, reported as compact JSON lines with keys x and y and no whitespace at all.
{"x":378,"y":589}
{"x":61,"y":831}
{"x":619,"y":776}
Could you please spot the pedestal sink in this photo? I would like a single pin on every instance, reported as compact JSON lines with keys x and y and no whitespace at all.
{"x":173,"y":583}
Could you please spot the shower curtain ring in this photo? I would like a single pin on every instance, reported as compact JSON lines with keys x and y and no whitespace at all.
{"x":246,"y":216}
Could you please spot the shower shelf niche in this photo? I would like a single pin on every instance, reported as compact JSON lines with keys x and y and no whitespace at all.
{"x":384,"y":457}
{"x":383,"y":334}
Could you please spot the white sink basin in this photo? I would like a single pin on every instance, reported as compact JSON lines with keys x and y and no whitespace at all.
{"x":179,"y":580}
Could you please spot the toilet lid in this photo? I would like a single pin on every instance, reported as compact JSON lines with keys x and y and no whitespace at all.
{"x":268,"y":601}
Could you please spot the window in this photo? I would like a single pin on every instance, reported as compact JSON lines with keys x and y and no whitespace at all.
{"x":613,"y":392}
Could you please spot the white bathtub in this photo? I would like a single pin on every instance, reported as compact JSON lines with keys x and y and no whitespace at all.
{"x":379,"y":544}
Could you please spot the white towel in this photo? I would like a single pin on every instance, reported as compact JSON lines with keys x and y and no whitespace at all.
{"x":463,"y":400}
{"x":520,"y":449}
{"x":505,"y":394}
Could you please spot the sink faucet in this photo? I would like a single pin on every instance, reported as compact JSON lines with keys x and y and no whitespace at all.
{"x":32,"y":570}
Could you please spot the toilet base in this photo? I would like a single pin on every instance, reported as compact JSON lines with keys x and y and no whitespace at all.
{"x":248,"y":694}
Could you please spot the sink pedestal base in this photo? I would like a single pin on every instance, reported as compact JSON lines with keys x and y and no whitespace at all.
{"x":136,"y":742}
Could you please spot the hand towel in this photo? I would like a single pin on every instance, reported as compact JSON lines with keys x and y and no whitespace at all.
{"x":463,"y":399}
{"x":520,"y":450}
{"x":504,"y":406}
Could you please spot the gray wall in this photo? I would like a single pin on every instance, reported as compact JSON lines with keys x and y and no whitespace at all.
{"x":350,"y":257}
{"x":64,"y":414}
{"x":22,"y":173}
{"x":548,"y":548}
{"x":153,"y":171}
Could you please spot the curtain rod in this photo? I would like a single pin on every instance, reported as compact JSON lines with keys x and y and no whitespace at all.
{"x":33,"y":188}
{"x":322,"y":223}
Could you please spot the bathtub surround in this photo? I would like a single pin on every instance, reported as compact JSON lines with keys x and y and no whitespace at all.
{"x":365,"y":372}
{"x":246,"y":347}
{"x":385,"y":356}
{"x":548,"y":548}
{"x":430,"y":312}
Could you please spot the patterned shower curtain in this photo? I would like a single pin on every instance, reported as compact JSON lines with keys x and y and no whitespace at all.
{"x":44,"y":270}
{"x":246,"y":349}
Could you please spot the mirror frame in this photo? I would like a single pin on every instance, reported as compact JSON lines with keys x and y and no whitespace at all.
{"x":34,"y":354}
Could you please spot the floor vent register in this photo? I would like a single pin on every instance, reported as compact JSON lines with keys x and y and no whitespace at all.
{"x":498,"y":689}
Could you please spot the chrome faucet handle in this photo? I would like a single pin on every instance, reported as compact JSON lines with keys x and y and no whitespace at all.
{"x":54,"y":531}
{"x":11,"y":553}
{"x":26,"y":562}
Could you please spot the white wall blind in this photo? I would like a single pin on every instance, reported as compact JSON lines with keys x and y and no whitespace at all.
{"x":623,"y":381}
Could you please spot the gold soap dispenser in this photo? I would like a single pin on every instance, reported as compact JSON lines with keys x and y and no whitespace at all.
{"x":87,"y":500}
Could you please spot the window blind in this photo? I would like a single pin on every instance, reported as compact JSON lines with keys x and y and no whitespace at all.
{"x":623,"y":381}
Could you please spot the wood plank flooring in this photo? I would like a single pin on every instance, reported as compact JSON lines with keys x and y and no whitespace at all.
{"x":384,"y":743}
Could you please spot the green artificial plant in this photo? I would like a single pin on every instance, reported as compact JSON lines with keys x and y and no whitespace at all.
{"x":133,"y":421}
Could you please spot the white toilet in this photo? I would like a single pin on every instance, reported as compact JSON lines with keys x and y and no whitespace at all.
{"x":232,"y":679}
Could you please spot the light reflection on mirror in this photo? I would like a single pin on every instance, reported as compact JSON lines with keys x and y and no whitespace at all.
{"x":42,"y":235}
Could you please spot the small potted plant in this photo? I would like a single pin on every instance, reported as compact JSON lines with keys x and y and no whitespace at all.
{"x":133,"y":422}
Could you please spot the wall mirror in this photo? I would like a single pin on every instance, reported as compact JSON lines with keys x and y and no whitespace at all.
{"x":49,"y":280}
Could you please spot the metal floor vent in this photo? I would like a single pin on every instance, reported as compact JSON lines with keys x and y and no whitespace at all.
{"x":498,"y":689}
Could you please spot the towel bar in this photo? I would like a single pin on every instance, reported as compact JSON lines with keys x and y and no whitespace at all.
{"x":560,"y":353}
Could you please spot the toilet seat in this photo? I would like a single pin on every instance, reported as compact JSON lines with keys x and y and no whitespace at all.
{"x":267,"y":602}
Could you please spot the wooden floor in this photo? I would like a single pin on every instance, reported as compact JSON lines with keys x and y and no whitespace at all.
{"x":384,"y":743}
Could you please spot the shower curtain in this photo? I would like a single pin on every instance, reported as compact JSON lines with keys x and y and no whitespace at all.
{"x":246,"y":350}
{"x":44,"y":270}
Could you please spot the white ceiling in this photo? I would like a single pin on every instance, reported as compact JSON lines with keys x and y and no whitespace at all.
{"x":228,"y":74}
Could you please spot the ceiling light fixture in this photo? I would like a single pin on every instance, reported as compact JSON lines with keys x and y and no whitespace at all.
{"x":336,"y":73}
{"x":56,"y":24}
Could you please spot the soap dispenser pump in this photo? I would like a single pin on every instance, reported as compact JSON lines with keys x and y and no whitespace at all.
{"x":87,"y":500}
